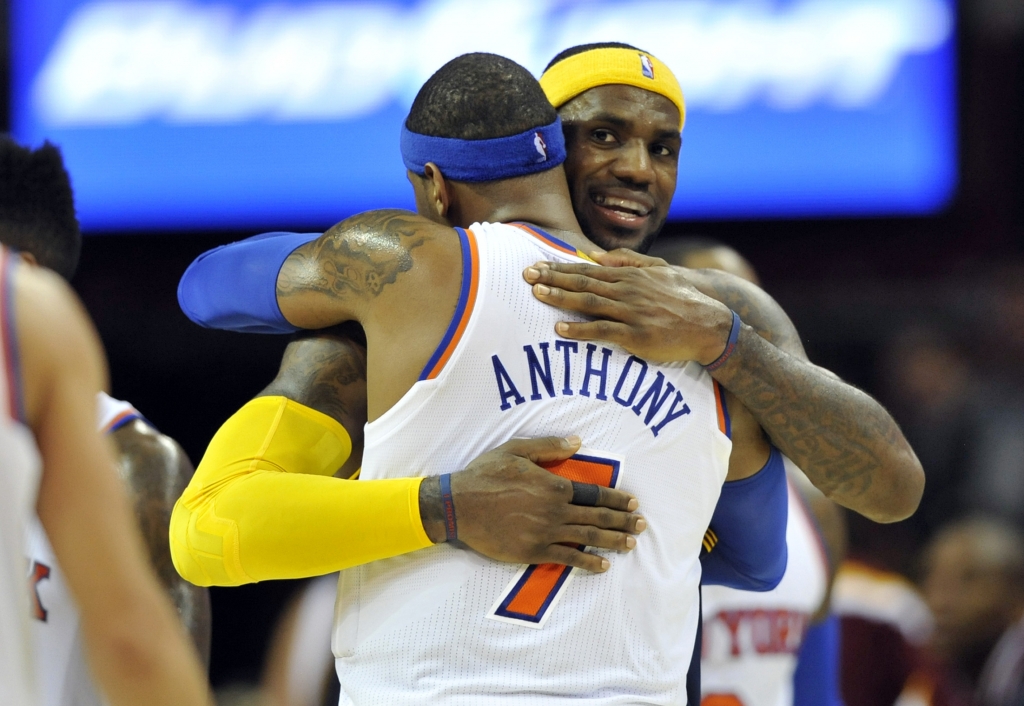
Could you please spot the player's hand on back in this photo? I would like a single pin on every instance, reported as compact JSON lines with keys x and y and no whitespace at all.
{"x":511,"y":509}
{"x":639,"y":303}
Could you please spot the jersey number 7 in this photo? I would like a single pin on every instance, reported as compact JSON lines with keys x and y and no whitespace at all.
{"x":533,"y":592}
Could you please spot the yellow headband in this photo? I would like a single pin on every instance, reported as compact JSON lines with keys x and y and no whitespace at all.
{"x":601,"y":67}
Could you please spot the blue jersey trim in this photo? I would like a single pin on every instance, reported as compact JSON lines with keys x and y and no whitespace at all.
{"x":503,"y":608}
{"x":127,"y":420}
{"x":725,"y":414}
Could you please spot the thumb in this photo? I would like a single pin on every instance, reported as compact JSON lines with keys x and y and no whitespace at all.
{"x":545,"y":448}
{"x":626,"y":258}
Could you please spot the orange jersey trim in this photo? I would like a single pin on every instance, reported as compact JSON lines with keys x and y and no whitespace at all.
{"x":724,"y":421}
{"x":464,"y":308}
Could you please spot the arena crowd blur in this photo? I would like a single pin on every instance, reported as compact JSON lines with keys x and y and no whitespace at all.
{"x":908,"y":286}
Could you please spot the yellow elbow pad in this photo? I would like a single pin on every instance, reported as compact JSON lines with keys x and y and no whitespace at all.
{"x":263,"y":503}
{"x":275,"y":433}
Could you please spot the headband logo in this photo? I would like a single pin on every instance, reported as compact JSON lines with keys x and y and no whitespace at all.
{"x":646,"y":66}
{"x":542,"y":149}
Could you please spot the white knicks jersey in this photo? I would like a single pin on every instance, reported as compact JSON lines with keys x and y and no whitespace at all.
{"x":751,"y":639}
{"x":62,"y":674}
{"x":19,"y":485}
{"x":444,"y":625}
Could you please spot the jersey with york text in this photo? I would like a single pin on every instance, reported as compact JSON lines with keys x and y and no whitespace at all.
{"x":751,"y":639}
{"x":62,"y":674}
{"x":445,"y":625}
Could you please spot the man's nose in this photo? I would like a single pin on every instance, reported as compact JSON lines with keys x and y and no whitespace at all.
{"x":633,"y":163}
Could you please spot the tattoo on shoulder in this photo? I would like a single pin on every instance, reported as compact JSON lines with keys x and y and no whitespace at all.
{"x":358,"y":257}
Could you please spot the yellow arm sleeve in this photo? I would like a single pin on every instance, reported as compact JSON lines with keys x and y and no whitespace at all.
{"x":263,"y":503}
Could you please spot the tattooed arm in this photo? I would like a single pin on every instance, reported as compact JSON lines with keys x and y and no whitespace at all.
{"x":845,"y":441}
{"x":326,"y":370}
{"x":333,"y":279}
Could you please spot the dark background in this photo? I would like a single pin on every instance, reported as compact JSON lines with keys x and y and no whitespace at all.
{"x":849,"y":285}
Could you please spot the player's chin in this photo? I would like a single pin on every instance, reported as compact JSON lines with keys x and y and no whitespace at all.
{"x":612,"y":236}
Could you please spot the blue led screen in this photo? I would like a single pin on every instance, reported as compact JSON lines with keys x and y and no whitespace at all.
{"x":256,"y":114}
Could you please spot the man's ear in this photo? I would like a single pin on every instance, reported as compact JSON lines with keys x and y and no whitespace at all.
{"x":439,"y":192}
{"x":28,"y":258}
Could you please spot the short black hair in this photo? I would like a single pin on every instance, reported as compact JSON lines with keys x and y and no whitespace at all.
{"x":580,"y":48}
{"x":478,"y":97}
{"x":37,"y":207}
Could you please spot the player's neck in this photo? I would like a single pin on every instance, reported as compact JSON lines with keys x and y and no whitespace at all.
{"x":539,"y":199}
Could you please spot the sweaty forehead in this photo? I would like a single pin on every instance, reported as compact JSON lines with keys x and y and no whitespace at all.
{"x":626,"y":103}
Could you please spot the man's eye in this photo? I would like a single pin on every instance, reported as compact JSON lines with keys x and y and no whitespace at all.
{"x":662,"y":150}
{"x":603,"y":135}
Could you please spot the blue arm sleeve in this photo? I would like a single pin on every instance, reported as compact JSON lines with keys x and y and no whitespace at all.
{"x":749,"y":524}
{"x":234,"y":287}
{"x":816,"y":681}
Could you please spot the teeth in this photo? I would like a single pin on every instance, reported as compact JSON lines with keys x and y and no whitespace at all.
{"x":620,"y":205}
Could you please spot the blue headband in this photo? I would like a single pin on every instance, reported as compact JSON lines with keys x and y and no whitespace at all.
{"x":535,"y":150}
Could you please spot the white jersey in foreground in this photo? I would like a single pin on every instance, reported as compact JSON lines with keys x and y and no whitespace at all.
{"x":751,"y":640}
{"x":62,"y":674}
{"x":19,"y":484}
{"x":446,"y":626}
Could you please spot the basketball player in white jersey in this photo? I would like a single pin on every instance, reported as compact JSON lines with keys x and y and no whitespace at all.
{"x":37,"y":215}
{"x":62,"y":673}
{"x":19,"y":483}
{"x":443,"y":388}
{"x":755,"y":638}
{"x":776,"y":648}
{"x":52,"y":368}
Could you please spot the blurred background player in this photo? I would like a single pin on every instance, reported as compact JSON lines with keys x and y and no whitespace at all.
{"x":19,"y":484}
{"x":781,"y":646}
{"x":299,"y":668}
{"x":52,"y":369}
{"x":37,"y":217}
{"x":974,"y":585}
{"x":883,"y":622}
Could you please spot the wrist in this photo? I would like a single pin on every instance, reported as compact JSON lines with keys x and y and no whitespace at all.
{"x":432,"y":509}
{"x":718,"y":337}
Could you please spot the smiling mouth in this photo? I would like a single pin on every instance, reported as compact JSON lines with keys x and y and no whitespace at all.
{"x":621,"y":212}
